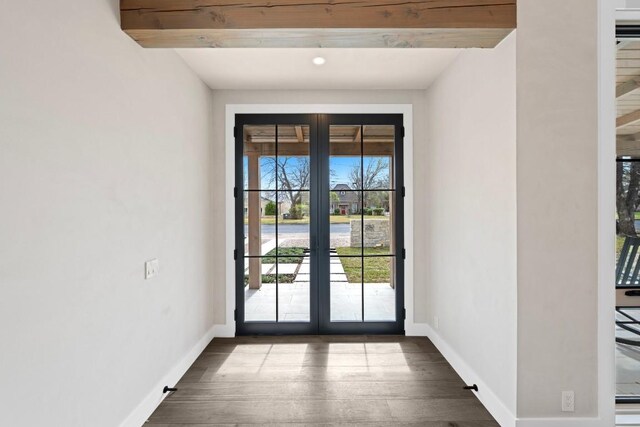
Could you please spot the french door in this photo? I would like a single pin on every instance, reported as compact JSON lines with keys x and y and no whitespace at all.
{"x":319,"y":224}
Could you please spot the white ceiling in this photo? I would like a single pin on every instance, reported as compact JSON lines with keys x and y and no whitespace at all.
{"x":293,"y":69}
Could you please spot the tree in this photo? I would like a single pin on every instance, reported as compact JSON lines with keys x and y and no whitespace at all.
{"x":291,"y":175}
{"x":270,"y":208}
{"x":627,"y":196}
{"x":374,"y":175}
{"x":335,"y":200}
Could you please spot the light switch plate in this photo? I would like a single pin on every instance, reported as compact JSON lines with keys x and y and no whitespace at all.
{"x":151,"y":268}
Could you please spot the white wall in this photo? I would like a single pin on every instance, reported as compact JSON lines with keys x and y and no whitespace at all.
{"x":105,"y":162}
{"x":557,"y":168}
{"x":470,"y":239}
{"x":560,"y":176}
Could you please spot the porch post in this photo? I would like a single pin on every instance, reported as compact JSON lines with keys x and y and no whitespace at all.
{"x":392,"y":229}
{"x":255,"y":241}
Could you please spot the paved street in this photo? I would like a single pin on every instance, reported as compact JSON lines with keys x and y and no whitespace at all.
{"x":269,"y":229}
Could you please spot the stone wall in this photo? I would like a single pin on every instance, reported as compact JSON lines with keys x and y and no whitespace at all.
{"x":376,"y":232}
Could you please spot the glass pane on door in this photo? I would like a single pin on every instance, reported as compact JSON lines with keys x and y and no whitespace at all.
{"x":277,"y":206}
{"x":379,"y":288}
{"x":362,"y":201}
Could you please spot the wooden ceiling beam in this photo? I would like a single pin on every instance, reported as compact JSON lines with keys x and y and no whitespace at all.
{"x":628,"y":145}
{"x":358,"y":134}
{"x":313,"y":23}
{"x":344,"y":149}
{"x":299,"y":134}
{"x":334,"y":140}
{"x":627,"y":87}
{"x":628,"y":119}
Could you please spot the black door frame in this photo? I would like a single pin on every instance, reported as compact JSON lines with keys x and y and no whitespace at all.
{"x":319,"y":323}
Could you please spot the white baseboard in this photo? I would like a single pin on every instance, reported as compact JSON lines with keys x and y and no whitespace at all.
{"x":561,"y":422}
{"x":487,"y":397}
{"x":415,"y":329}
{"x":225,"y":331}
{"x":149,"y":404}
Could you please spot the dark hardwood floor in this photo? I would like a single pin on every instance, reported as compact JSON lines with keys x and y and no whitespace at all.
{"x":321,"y":380}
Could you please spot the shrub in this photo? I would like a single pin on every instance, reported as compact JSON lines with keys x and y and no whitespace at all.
{"x":378,"y":211}
{"x":270,"y":209}
{"x":296,"y":212}
{"x":336,"y":211}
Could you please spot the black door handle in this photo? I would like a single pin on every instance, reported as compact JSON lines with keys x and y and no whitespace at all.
{"x":634,"y":293}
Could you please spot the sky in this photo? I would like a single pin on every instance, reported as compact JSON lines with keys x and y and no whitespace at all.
{"x":340,"y":169}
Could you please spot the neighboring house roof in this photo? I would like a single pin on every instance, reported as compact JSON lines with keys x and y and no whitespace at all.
{"x":348,"y":196}
{"x":341,"y":187}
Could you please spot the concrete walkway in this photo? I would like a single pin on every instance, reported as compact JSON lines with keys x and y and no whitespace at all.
{"x":294,"y":300}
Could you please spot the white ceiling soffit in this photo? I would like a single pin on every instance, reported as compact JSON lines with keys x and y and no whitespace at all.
{"x":293,"y":68}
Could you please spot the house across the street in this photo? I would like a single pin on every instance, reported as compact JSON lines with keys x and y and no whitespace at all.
{"x":346,"y":201}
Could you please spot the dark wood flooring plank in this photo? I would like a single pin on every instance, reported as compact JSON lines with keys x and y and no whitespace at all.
{"x":328,"y":390}
{"x":432,"y":371}
{"x":258,"y":412}
{"x":322,"y":347}
{"x":309,"y":339}
{"x":438,"y":409}
{"x":321,"y":381}
{"x":266,"y":360}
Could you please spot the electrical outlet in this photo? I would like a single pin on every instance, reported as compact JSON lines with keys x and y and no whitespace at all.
{"x":568,"y":401}
{"x":151,"y":268}
{"x":436,"y":322}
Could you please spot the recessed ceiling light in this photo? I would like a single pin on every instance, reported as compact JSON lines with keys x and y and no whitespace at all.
{"x":319,"y":60}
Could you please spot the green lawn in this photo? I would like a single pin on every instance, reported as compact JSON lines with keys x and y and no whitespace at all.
{"x":271,"y":278}
{"x":376,"y":269}
{"x":333,"y":219}
{"x":285,"y":256}
{"x":271,"y":220}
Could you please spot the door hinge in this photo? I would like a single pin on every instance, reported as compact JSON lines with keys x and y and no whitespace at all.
{"x":235,"y":254}
{"x":235,"y":314}
{"x":404,"y":254}
{"x":235,"y":131}
{"x":402,"y":131}
{"x":404,"y":191}
{"x":404,"y":313}
{"x":235,"y":192}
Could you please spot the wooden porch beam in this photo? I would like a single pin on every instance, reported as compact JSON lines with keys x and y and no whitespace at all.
{"x":313,"y":23}
{"x":299,"y":134}
{"x":628,"y":145}
{"x":628,"y":119}
{"x":358,"y":135}
{"x":627,"y":87}
{"x":342,"y":149}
